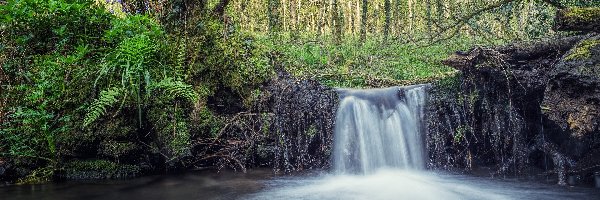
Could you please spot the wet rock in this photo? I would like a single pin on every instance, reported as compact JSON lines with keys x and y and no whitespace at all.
{"x":301,"y":124}
{"x":289,"y":127}
{"x":571,"y":103}
{"x":515,"y":102}
{"x":3,"y":166}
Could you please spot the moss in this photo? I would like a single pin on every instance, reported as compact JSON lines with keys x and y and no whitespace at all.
{"x":38,"y":176}
{"x":312,"y":131}
{"x":99,"y":169}
{"x":582,"y":50}
{"x":116,"y":149}
{"x":266,"y":124}
{"x":460,"y":133}
{"x":576,"y":15}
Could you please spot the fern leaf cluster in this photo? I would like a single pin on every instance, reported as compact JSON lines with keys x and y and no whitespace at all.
{"x":177,"y":89}
{"x":100,"y":106}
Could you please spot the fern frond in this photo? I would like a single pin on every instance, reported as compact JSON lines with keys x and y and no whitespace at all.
{"x":98,"y":108}
{"x":177,"y":89}
{"x":181,"y":56}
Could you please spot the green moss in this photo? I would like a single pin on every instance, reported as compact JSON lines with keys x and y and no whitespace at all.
{"x":582,"y":14}
{"x":312,"y":131}
{"x":449,"y":85}
{"x":459,"y":135}
{"x":266,"y":124}
{"x":582,"y":50}
{"x":99,"y":169}
{"x":38,"y":176}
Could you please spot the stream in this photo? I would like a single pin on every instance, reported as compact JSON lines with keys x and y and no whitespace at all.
{"x":262,"y":184}
{"x":378,"y":153}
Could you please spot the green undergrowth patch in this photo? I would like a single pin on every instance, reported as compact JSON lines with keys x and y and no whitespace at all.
{"x":579,"y":14}
{"x":370,"y":64}
{"x":582,"y":50}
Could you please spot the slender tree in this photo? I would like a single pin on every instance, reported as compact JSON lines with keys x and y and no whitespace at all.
{"x":363,"y":21}
{"x":337,"y":22}
{"x":386,"y":29}
{"x":273,"y":16}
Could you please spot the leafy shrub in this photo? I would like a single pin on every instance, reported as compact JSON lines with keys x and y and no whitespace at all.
{"x":48,"y":46}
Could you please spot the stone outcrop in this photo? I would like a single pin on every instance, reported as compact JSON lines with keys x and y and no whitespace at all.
{"x":520,"y":108}
{"x":571,"y":102}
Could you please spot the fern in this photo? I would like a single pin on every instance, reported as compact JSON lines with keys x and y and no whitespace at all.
{"x":177,"y":89}
{"x":181,"y":55}
{"x":99,"y":107}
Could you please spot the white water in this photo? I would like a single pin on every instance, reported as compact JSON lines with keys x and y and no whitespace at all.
{"x":379,"y":128}
{"x":379,"y":153}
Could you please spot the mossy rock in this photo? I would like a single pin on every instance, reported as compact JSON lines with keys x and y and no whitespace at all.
{"x":578,"y":19}
{"x":583,"y":49}
{"x":98,"y":169}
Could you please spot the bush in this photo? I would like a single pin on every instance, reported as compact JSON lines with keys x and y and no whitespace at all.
{"x":48,"y":47}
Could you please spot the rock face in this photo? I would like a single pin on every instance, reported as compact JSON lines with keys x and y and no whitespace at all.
{"x":519,"y":109}
{"x":302,"y":123}
{"x":571,"y":103}
{"x":289,"y":128}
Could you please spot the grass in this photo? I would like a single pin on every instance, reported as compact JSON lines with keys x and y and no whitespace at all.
{"x":369,"y":64}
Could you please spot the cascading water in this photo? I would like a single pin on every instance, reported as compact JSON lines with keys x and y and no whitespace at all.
{"x":379,"y":128}
{"x":378,"y":153}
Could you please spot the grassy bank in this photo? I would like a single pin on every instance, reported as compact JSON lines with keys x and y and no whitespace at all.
{"x":370,"y":64}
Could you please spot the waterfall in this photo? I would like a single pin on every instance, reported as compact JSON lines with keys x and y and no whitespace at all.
{"x":379,"y":128}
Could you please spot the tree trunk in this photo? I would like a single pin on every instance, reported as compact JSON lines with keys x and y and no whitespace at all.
{"x":273,"y":16}
{"x":219,"y":9}
{"x":363,"y":21}
{"x":386,"y":29}
{"x":337,"y":22}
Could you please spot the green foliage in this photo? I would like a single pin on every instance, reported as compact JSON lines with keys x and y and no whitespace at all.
{"x":99,"y":107}
{"x":48,"y":47}
{"x":132,"y":26}
{"x":29,"y":136}
{"x":459,"y":135}
{"x":209,"y":123}
{"x":172,"y":130}
{"x":582,"y":50}
{"x":71,"y":64}
{"x":44,"y":26}
{"x":177,"y":89}
{"x":132,"y":64}
{"x":38,"y":176}
{"x":370,"y":64}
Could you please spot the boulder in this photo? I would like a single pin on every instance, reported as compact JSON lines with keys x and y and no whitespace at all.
{"x":571,"y":104}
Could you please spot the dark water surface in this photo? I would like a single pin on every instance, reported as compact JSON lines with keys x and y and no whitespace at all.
{"x":262,"y":184}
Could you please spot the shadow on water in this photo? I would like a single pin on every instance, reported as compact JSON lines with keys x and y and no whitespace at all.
{"x":199,"y":185}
